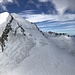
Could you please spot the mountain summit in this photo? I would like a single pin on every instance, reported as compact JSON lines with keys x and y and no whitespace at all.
{"x":29,"y":51}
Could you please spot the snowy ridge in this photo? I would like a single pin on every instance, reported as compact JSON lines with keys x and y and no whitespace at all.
{"x":15,"y":49}
{"x":34,"y":53}
{"x":63,"y":42}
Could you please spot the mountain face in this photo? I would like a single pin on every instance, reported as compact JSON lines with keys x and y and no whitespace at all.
{"x":29,"y":51}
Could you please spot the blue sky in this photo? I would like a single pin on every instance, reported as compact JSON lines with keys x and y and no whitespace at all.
{"x":49,"y":15}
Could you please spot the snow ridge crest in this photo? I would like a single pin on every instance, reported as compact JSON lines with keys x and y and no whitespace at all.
{"x":7,"y":29}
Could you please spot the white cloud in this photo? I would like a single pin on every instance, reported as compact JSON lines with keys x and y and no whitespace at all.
{"x":4,"y":8}
{"x":43,"y":0}
{"x":3,"y":2}
{"x":10,"y":0}
{"x":40,"y":17}
{"x":62,"y":5}
{"x":27,"y":12}
{"x":44,"y":17}
{"x":71,"y":26}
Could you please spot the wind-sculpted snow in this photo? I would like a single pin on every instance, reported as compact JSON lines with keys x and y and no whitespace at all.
{"x":34,"y":53}
{"x":16,"y":49}
{"x":63,"y":42}
{"x":15,"y":52}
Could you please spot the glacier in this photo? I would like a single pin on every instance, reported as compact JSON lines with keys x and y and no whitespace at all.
{"x":36,"y":53}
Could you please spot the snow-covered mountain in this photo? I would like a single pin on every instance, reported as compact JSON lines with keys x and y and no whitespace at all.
{"x":29,"y":51}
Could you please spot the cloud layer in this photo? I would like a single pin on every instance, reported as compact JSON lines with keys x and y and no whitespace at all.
{"x":62,"y":5}
{"x":3,"y":4}
{"x":5,"y":1}
{"x":43,"y":0}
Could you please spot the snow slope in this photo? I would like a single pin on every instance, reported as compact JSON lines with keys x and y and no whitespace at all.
{"x":63,"y":42}
{"x":33,"y":54}
{"x":3,"y":18}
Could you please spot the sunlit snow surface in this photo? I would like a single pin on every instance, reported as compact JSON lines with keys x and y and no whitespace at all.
{"x":35,"y":53}
{"x":3,"y":18}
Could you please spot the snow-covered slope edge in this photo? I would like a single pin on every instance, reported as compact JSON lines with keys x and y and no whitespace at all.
{"x":64,"y":42}
{"x":32,"y":54}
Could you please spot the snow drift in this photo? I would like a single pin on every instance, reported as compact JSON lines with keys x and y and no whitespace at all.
{"x":34,"y":53}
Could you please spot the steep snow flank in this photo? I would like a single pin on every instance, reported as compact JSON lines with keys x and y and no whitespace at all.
{"x":63,"y":42}
{"x":46,"y":60}
{"x":16,"y":48}
{"x":29,"y":27}
{"x":34,"y":53}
